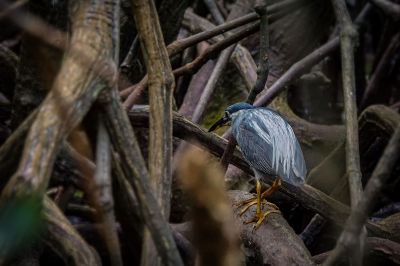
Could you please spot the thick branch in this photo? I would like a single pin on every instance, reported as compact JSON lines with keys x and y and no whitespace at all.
{"x":134,"y":168}
{"x":74,"y":90}
{"x":61,"y":236}
{"x":66,"y":104}
{"x":161,"y":87}
{"x":161,"y":83}
{"x":274,"y":242}
{"x":52,"y":36}
{"x":307,"y":196}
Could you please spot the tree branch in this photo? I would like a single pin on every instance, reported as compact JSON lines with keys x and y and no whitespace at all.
{"x":354,"y":224}
{"x":181,"y":44}
{"x":276,"y":10}
{"x":388,"y":7}
{"x":75,"y":89}
{"x":307,"y":196}
{"x":374,"y":83}
{"x":220,"y":65}
{"x":348,"y":37}
{"x":161,"y":87}
{"x":104,"y":196}
{"x":262,"y":76}
{"x":374,"y":245}
{"x":134,"y":168}
{"x":193,"y":66}
{"x":61,"y":236}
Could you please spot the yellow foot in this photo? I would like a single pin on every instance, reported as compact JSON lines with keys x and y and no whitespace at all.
{"x":259,"y":201}
{"x":259,"y":218}
{"x":253,"y":201}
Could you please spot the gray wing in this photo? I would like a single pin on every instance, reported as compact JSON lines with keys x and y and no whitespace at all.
{"x":269,"y":145}
{"x":256,"y":149}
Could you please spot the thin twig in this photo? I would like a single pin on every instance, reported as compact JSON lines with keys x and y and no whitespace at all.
{"x":304,"y":65}
{"x":348,"y":37}
{"x":275,"y":10}
{"x":104,"y":195}
{"x":214,"y":10}
{"x":241,"y":57}
{"x":193,"y":66}
{"x":262,"y":76}
{"x":297,"y":70}
{"x":263,"y":65}
{"x":220,"y":65}
{"x":11,"y":8}
{"x":359,"y":215}
{"x":126,"y":63}
{"x":180,"y":45}
{"x":380,"y":72}
{"x":293,"y":73}
{"x":208,"y":90}
{"x":388,"y":7}
{"x":195,"y":89}
{"x":286,"y":6}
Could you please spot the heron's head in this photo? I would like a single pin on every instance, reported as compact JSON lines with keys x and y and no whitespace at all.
{"x":229,"y":113}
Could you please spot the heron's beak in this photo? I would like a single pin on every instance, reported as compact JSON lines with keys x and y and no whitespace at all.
{"x":219,"y":123}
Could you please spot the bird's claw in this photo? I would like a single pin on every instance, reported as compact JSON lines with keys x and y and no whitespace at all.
{"x":262,"y":218}
{"x":253,"y":201}
{"x":259,"y":217}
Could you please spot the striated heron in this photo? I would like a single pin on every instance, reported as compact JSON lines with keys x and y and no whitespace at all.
{"x":269,"y":146}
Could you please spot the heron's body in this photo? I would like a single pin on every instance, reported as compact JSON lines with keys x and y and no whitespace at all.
{"x":268,"y":144}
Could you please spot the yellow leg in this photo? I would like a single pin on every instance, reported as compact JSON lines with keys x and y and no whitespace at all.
{"x":274,"y":187}
{"x":258,"y":200}
{"x":258,"y":190}
{"x":262,"y":218}
{"x":252,"y":201}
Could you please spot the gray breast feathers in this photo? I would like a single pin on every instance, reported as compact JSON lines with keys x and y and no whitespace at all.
{"x":269,"y":145}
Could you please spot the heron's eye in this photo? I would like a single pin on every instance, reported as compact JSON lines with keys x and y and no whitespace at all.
{"x":226,"y":114}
